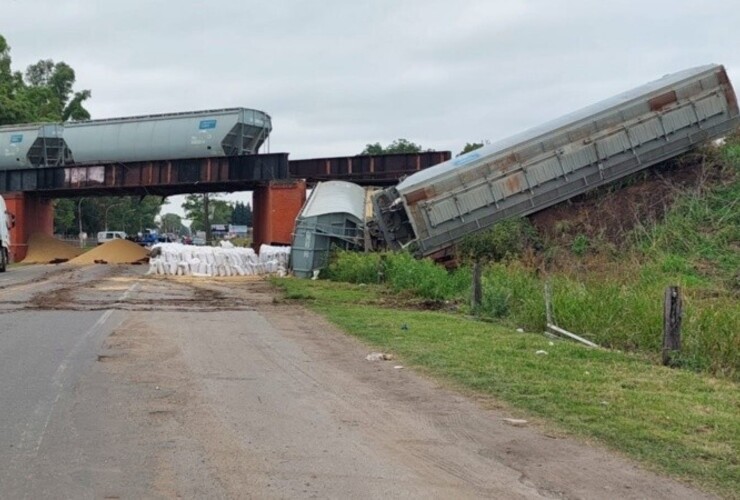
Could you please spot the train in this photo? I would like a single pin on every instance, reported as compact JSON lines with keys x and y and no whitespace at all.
{"x":168,"y":136}
{"x":432,"y":210}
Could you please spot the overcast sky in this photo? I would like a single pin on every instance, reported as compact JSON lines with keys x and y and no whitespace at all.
{"x":336,"y":75}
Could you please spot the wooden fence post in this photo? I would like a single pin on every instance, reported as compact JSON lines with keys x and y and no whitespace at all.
{"x":548,"y":303}
{"x":671,"y":325}
{"x":477,"y":295}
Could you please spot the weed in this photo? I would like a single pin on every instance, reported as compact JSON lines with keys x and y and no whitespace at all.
{"x":580,"y":245}
{"x":354,"y":267}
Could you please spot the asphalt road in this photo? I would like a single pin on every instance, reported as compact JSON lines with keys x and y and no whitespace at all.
{"x":117,"y":385}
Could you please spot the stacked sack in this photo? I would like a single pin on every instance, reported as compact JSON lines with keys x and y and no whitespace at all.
{"x":176,"y":259}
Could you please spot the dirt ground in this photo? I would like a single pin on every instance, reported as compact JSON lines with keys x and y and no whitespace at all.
{"x":214,"y":389}
{"x":611,"y":212}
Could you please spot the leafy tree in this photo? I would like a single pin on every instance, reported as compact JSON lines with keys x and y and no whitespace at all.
{"x":54,"y":82}
{"x":172,"y":223}
{"x":397,"y":146}
{"x":219,"y":211}
{"x":65,"y":216}
{"x":131,"y":214}
{"x":242,"y":214}
{"x":45,"y":94}
{"x":470,"y":146}
{"x":14,"y":108}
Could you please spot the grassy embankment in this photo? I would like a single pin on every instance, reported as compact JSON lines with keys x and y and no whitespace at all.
{"x":685,"y":422}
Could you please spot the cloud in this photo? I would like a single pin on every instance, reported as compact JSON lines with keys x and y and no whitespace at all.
{"x":337,"y":75}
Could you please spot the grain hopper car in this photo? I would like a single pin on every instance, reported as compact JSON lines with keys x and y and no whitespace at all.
{"x":170,"y":136}
{"x":431,"y":210}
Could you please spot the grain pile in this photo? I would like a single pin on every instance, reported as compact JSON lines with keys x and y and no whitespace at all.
{"x":113,"y":252}
{"x":45,"y":249}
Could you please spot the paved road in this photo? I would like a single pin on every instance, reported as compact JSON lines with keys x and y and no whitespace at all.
{"x":115,"y":385}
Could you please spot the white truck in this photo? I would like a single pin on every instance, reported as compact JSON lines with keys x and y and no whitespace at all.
{"x":6,"y":222}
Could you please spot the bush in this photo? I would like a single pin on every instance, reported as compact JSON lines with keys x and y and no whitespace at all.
{"x":511,"y":290}
{"x":506,"y":239}
{"x":580,"y":245}
{"x":424,"y":278}
{"x":353,"y":267}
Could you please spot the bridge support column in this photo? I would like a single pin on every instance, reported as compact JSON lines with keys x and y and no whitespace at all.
{"x":33,"y":214}
{"x":276,"y":206}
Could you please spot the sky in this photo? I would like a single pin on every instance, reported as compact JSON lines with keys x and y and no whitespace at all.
{"x":337,"y":75}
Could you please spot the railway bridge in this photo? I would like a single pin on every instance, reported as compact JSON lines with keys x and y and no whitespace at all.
{"x":278,"y":185}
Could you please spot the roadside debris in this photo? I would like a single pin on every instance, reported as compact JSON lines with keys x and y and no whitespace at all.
{"x":556,"y":330}
{"x":379,"y":356}
{"x":541,"y":353}
{"x":398,"y":367}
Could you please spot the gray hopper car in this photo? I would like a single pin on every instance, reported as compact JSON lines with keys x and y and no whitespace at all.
{"x":196,"y":134}
{"x":433,"y":209}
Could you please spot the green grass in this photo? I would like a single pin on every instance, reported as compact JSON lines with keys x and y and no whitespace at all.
{"x":676,"y":421}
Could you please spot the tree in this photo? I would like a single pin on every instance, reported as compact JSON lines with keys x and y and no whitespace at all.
{"x":131,"y":214}
{"x":397,"y":146}
{"x":172,"y":223}
{"x":219,"y":211}
{"x":14,"y":107}
{"x":45,"y":94}
{"x":65,"y":216}
{"x":470,"y":146}
{"x":242,"y":214}
{"x":53,"y":82}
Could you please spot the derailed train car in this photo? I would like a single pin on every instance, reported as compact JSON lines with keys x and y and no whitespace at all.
{"x":169,"y":136}
{"x":432,"y":210}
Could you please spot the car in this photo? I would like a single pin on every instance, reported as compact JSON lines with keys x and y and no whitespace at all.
{"x":106,"y":236}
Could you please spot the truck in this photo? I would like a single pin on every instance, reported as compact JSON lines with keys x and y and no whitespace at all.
{"x":7,"y":221}
{"x":432,"y":210}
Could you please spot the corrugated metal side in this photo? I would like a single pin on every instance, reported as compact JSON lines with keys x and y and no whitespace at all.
{"x":14,"y":145}
{"x":569,"y":161}
{"x":173,"y":136}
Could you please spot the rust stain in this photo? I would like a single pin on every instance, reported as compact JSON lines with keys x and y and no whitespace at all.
{"x":663,"y":100}
{"x":419,"y":195}
{"x":502,"y":164}
{"x":513,"y":184}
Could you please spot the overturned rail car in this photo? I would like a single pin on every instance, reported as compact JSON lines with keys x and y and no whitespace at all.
{"x":433,"y":209}
{"x":169,"y":136}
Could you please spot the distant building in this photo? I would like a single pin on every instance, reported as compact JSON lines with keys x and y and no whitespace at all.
{"x":219,"y":230}
{"x":238,"y":231}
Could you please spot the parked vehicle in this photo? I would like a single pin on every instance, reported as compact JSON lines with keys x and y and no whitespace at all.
{"x":106,"y":236}
{"x":7,"y":221}
{"x":431,"y":210}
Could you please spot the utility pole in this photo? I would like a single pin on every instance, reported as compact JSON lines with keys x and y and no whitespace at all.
{"x":207,"y":219}
{"x":79,"y":219}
